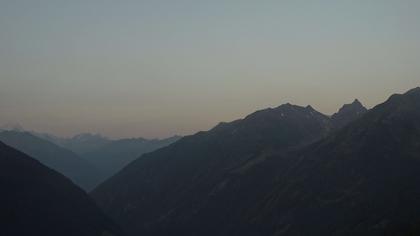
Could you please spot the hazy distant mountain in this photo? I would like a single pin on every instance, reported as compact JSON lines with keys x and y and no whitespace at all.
{"x":114,"y":155}
{"x":36,"y":200}
{"x":79,"y":144}
{"x":11,"y":127}
{"x":348,"y":113}
{"x":279,"y":172}
{"x":107,"y":155}
{"x":102,"y":154}
{"x":62,"y":160}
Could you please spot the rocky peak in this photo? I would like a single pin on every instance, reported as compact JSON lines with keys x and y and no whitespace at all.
{"x":348,"y":113}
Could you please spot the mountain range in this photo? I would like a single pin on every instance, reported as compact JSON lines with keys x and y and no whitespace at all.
{"x":284,"y":171}
{"x":79,"y":170}
{"x":105,"y":154}
{"x":87,"y":159}
{"x":289,"y":170}
{"x":79,"y":144}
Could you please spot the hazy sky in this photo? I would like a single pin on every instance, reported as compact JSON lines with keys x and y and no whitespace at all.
{"x":156,"y":68}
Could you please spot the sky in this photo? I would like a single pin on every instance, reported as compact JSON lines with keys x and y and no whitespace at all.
{"x":158,"y":68}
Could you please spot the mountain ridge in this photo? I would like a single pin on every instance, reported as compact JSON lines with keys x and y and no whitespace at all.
{"x":245,"y":188}
{"x":201,"y":162}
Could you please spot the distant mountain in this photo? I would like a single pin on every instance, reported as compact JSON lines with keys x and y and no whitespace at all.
{"x":11,"y":127}
{"x":348,"y":113}
{"x":62,"y":160}
{"x":279,"y":172}
{"x":116,"y":154}
{"x":107,"y":155}
{"x":79,"y":144}
{"x":36,"y":200}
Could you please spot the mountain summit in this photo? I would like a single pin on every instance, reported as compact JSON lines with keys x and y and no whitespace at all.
{"x":348,"y":113}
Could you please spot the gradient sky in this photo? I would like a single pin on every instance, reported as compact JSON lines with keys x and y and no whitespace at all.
{"x":157,"y":68}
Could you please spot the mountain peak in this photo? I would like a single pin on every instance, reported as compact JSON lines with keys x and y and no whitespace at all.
{"x":357,"y":102}
{"x":355,"y":106}
{"x":348,"y":113}
{"x":309,"y":107}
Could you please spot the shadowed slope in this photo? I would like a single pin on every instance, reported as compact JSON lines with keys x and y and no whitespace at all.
{"x":36,"y":200}
{"x":362,"y":180}
{"x":253,"y":177}
{"x":177,"y":189}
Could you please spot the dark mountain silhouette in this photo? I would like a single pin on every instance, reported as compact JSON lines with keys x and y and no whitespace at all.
{"x":36,"y":200}
{"x":62,"y":160}
{"x":362,"y":180}
{"x":347,"y":114}
{"x":182,"y":178}
{"x":113,"y":156}
{"x":279,"y":172}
